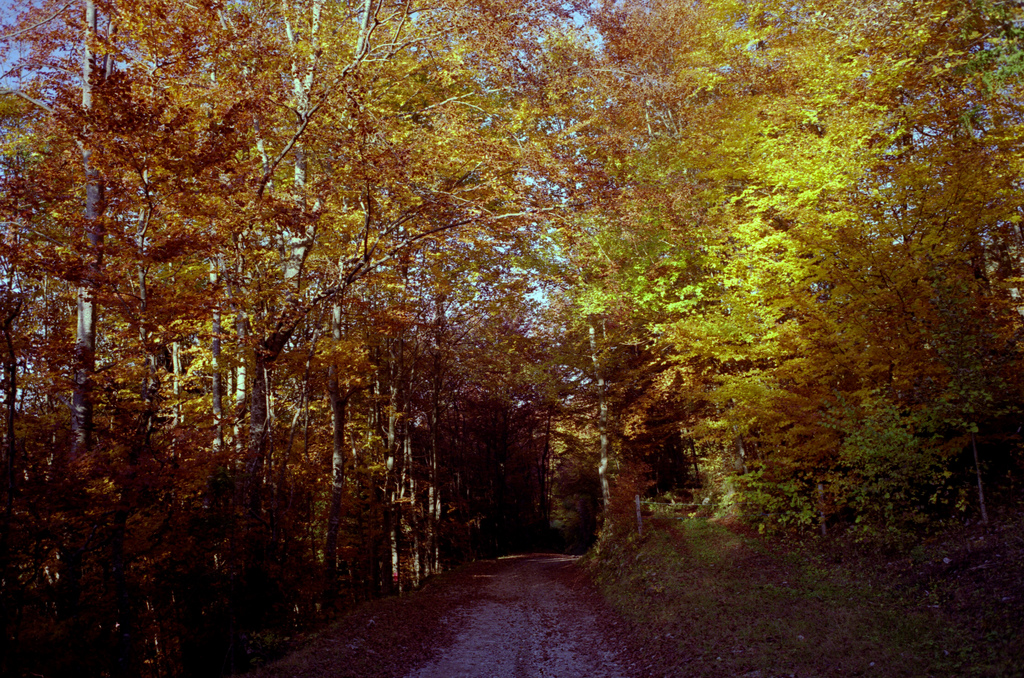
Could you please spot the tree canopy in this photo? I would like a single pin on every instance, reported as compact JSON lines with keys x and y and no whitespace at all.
{"x":304,"y":301}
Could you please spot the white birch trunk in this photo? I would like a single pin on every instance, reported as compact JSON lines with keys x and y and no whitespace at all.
{"x":85,"y":342}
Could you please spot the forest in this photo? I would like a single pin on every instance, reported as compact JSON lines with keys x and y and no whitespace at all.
{"x":305,"y":301}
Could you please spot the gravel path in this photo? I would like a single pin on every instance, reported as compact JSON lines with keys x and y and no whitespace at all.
{"x":531,"y":617}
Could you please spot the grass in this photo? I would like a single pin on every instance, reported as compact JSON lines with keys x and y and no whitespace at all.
{"x":706,"y":600}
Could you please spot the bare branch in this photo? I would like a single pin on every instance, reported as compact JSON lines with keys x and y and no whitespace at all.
{"x":364,"y":265}
{"x":34,"y":26}
{"x":269,"y":171}
{"x":401,"y":25}
{"x":366,"y":29}
{"x":32,"y":100}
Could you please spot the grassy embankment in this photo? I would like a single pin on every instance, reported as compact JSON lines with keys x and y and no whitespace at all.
{"x":706,"y":600}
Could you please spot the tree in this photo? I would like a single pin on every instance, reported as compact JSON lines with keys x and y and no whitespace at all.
{"x":250,"y":171}
{"x":769,"y":308}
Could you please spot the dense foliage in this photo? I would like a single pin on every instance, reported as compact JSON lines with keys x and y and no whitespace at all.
{"x":817,"y":247}
{"x":305,"y":301}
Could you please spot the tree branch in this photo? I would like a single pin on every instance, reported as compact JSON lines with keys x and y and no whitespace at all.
{"x":34,"y":26}
{"x":32,"y":100}
{"x":269,"y":171}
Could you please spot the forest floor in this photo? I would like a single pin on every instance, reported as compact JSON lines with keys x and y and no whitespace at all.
{"x":705,"y":598}
{"x":701,"y":598}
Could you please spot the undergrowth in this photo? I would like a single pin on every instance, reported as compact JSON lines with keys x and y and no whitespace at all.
{"x":709,"y":598}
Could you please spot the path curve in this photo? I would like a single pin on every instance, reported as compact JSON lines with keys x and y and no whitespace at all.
{"x":531,"y":619}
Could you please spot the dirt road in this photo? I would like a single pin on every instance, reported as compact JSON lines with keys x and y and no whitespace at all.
{"x":531,"y":617}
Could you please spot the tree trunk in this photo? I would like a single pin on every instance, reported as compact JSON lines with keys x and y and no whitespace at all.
{"x":396,"y":558}
{"x":217,"y":387}
{"x":11,"y":395}
{"x":391,"y":482}
{"x":433,"y":487}
{"x":241,"y":383}
{"x":981,"y":489}
{"x":602,"y":420}
{"x":338,"y":404}
{"x":544,"y":473}
{"x":741,"y":454}
{"x":259,"y":433}
{"x":821,"y":510}
{"x":149,"y":385}
{"x":176,"y":371}
{"x":412,"y":517}
{"x":696,"y":467}
{"x":302,"y":410}
{"x":85,"y":342}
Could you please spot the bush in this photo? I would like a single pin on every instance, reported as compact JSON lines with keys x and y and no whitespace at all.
{"x":633,"y":480}
{"x":885,"y":475}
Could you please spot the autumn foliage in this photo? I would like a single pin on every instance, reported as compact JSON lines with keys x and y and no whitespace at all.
{"x":305,"y":301}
